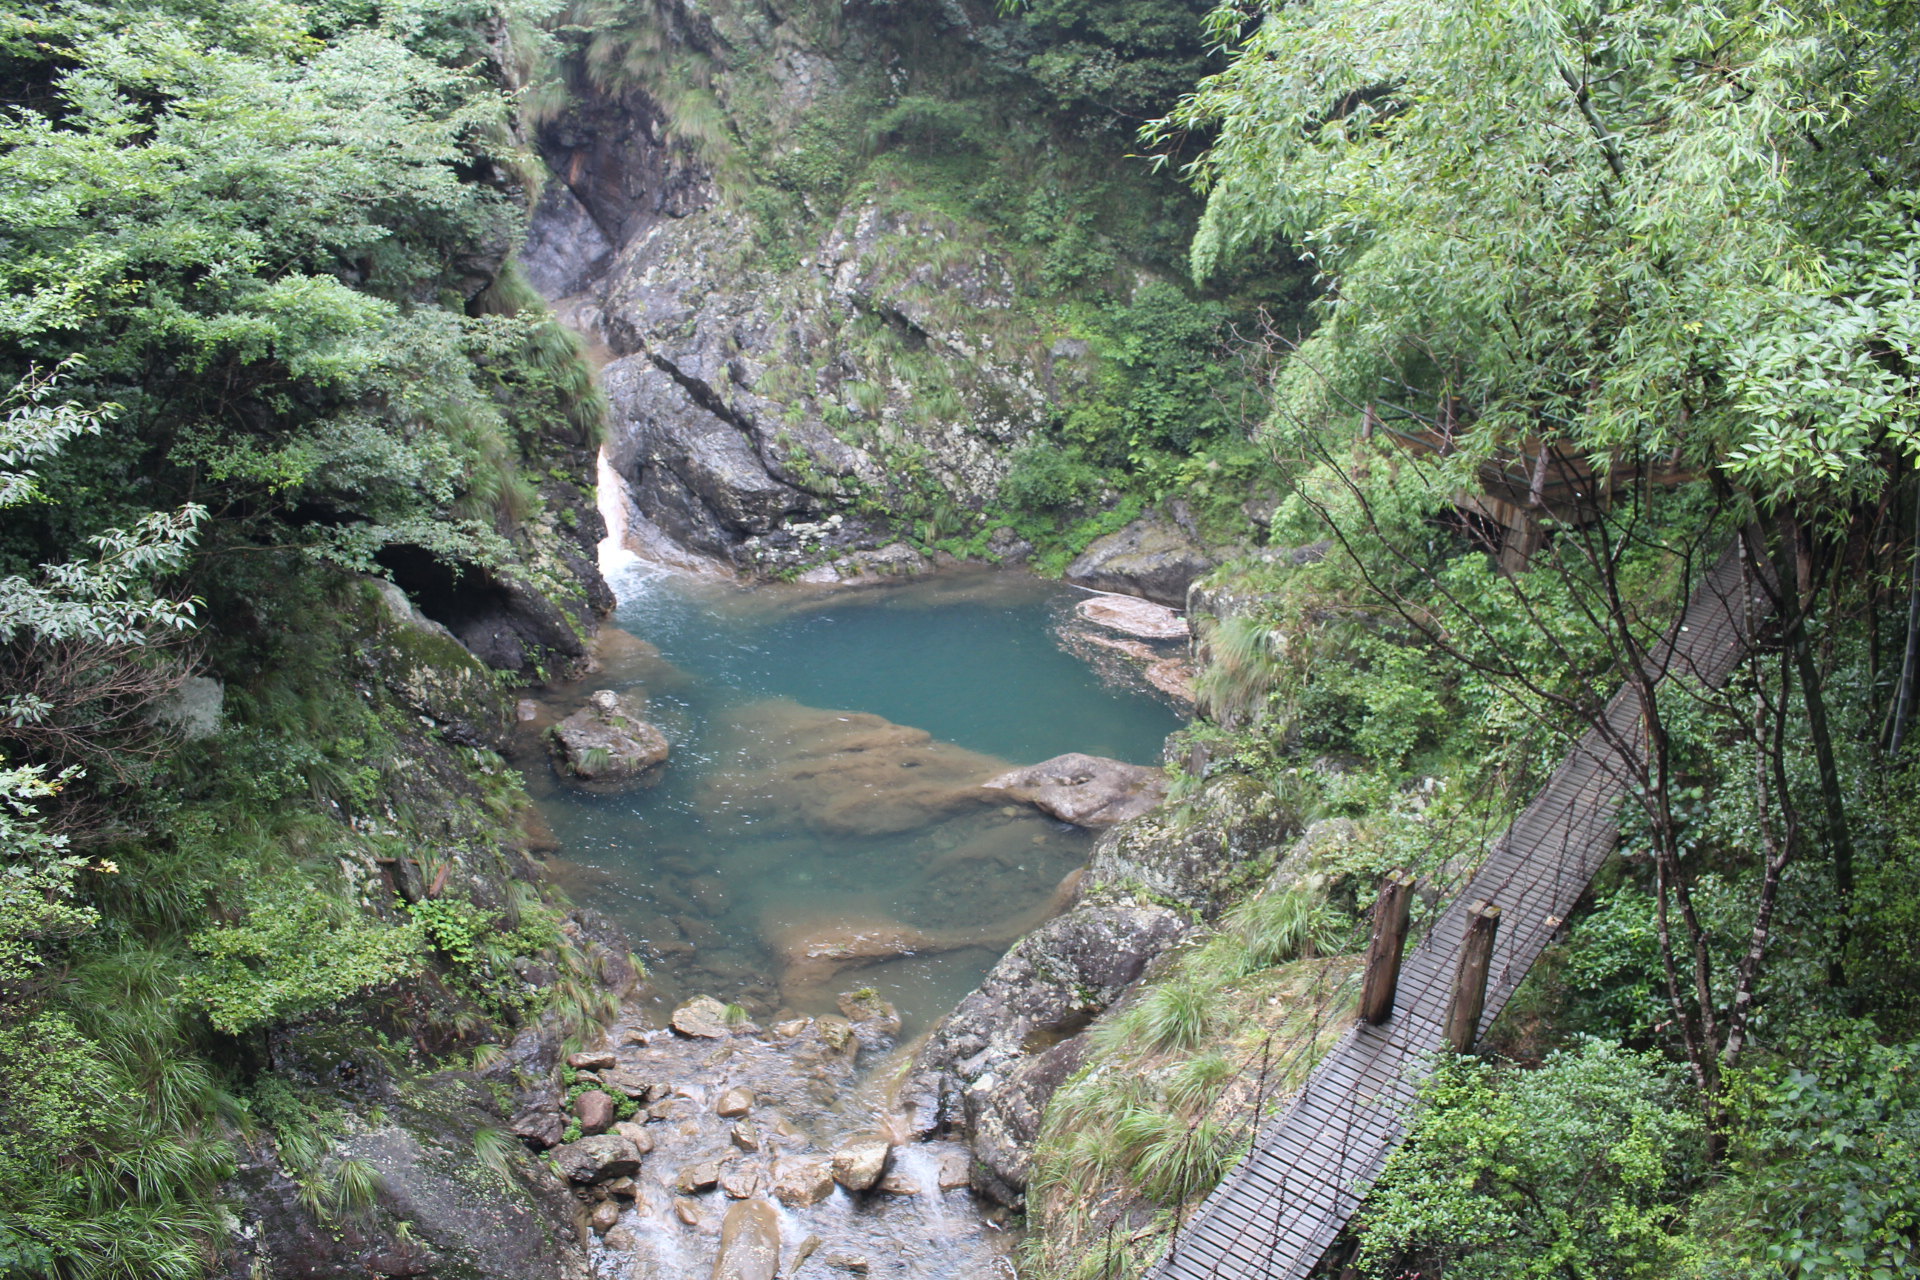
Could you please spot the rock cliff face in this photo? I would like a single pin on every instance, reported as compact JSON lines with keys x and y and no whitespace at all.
{"x":880,"y":357}
{"x":988,"y":1069}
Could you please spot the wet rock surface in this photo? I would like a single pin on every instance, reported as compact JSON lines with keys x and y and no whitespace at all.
{"x":826,"y":1162}
{"x":988,"y":1070}
{"x":1133,"y":616}
{"x":843,"y":773}
{"x":749,"y":1243}
{"x":1088,"y":791}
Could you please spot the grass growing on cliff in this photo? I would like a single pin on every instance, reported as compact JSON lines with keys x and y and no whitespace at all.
{"x":1168,"y":1099}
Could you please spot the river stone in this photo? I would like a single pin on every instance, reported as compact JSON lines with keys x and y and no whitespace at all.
{"x":701,"y":1175}
{"x":625,"y":1188}
{"x":630,"y":1083}
{"x":749,"y":1243}
{"x":689,"y":1211}
{"x":597,"y":1159}
{"x":1088,"y":791}
{"x":538,"y":1129}
{"x":836,"y":1033}
{"x":861,"y":1162}
{"x":636,"y":1134}
{"x":851,"y":1263}
{"x":605,"y":1217}
{"x":1130,"y":615}
{"x":734,"y":1103}
{"x":702,"y":1016}
{"x":745,"y":1135}
{"x":869,"y":1013}
{"x":799,"y":1183}
{"x":607,"y":741}
{"x":1152,"y":557}
{"x":740,"y":1179}
{"x":593,"y":1060}
{"x":596,"y":1111}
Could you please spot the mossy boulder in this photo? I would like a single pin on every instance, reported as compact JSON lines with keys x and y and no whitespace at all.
{"x":607,"y":741}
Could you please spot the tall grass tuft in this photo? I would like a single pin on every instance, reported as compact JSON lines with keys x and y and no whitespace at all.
{"x":1245,"y":665}
{"x":1176,"y":1014}
{"x":1293,"y":923}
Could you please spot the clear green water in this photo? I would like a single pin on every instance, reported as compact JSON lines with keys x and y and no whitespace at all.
{"x":790,"y":819}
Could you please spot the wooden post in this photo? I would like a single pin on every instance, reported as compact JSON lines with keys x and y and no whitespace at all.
{"x":1389,"y":940}
{"x":1470,"y":980}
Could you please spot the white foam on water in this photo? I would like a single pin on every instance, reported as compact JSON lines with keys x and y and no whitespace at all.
{"x":636,"y":551}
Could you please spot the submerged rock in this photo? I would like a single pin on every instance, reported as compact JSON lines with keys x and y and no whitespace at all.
{"x":840,"y":773}
{"x":607,"y":741}
{"x":749,"y":1243}
{"x":1088,"y":791}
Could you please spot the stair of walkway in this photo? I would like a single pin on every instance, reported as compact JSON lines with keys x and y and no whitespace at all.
{"x":1278,"y":1212}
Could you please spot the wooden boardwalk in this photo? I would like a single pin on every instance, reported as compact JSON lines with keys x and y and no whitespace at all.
{"x":1276,"y":1215}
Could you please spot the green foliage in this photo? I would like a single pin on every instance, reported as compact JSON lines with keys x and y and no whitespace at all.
{"x":1828,"y":1168}
{"x":455,"y":926}
{"x":1526,"y":210}
{"x":296,"y":951}
{"x":1177,"y":1014}
{"x":1042,"y":477}
{"x":1291,"y":924}
{"x":1572,"y":1169}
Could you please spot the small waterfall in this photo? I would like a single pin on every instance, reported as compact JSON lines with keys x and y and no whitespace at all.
{"x":919,"y":1166}
{"x":635,"y":550}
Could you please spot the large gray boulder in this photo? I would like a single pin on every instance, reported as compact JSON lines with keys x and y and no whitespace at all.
{"x":424,"y":1218}
{"x":1195,"y":858}
{"x":1052,"y":983}
{"x":1004,"y":1118}
{"x":1152,"y":557}
{"x":988,"y":1070}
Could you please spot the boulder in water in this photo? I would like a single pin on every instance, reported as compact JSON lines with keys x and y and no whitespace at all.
{"x":799,"y":1183}
{"x":1088,"y":791}
{"x":749,"y":1243}
{"x":702,"y":1017}
{"x":1152,"y":557}
{"x":597,"y":1159}
{"x":1132,"y":616}
{"x":861,"y":1162}
{"x":841,"y":773}
{"x":607,"y":741}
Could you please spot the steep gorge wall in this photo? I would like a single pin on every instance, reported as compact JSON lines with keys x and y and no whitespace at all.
{"x":777,"y":234}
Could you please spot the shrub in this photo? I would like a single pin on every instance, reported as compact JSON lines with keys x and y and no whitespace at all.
{"x":1574,"y":1169}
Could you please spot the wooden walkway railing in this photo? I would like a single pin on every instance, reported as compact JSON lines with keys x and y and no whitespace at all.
{"x":1276,"y":1215}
